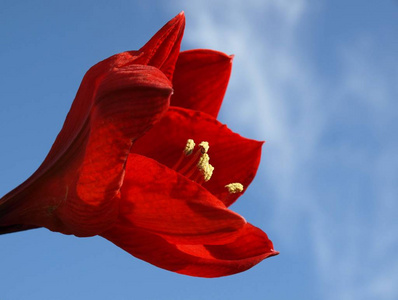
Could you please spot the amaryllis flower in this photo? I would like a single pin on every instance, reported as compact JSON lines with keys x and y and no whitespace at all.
{"x":142,"y":161}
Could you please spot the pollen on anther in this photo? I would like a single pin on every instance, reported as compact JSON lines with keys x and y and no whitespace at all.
{"x":189,"y":147}
{"x":204,"y":147}
{"x":204,"y":167}
{"x":209,"y":172}
{"x":203,"y":160}
{"x":234,"y":188}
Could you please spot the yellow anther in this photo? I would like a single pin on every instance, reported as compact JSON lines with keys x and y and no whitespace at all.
{"x":204,"y":167}
{"x":203,"y":160}
{"x":204,"y":147}
{"x":189,"y":147}
{"x":208,"y":172}
{"x":234,"y":188}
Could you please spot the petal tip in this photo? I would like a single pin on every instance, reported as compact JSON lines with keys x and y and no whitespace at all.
{"x":162,"y":50}
{"x":178,"y":22}
{"x":273,"y":253}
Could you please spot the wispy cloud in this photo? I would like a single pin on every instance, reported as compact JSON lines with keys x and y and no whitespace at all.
{"x":270,"y":86}
{"x":368,"y":268}
{"x":329,"y":157}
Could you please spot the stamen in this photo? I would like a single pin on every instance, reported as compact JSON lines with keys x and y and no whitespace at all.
{"x":197,"y":167}
{"x":189,"y":147}
{"x":204,"y":147}
{"x":188,"y":170}
{"x":234,"y":188}
{"x":204,"y":160}
{"x":209,"y":172}
{"x":190,"y":164}
{"x":205,"y":168}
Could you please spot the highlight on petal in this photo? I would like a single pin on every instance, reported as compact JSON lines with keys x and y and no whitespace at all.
{"x":160,"y":200}
{"x":249,"y":248}
{"x":201,"y":79}
{"x":163,"y":48}
{"x":235,"y":159}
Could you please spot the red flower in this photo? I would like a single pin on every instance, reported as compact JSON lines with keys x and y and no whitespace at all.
{"x":124,"y":165}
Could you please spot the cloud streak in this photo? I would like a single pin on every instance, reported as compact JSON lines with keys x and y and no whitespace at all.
{"x":328,"y":159}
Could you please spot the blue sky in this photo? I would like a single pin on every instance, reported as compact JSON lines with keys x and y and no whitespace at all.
{"x":316,"y":79}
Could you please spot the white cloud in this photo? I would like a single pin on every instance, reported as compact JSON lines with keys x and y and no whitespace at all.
{"x":275,"y":84}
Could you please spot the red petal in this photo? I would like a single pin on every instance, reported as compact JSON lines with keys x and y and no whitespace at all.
{"x":128,"y":102}
{"x":234,"y":158}
{"x":162,"y":49}
{"x":162,"y":52}
{"x":72,"y":135}
{"x":82,"y":188}
{"x":200,"y":80}
{"x":250,"y":247}
{"x":158,"y":199}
